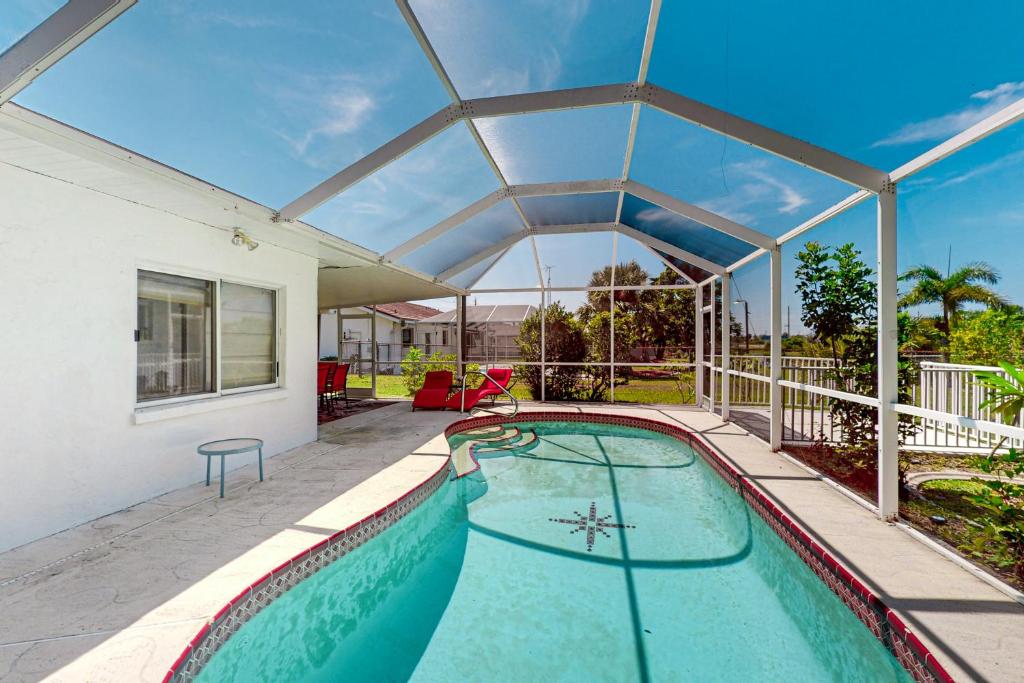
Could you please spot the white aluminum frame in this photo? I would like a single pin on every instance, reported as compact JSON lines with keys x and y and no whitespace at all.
{"x":53,"y":39}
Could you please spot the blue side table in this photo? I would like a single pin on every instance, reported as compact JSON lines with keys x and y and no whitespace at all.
{"x":226,"y":447}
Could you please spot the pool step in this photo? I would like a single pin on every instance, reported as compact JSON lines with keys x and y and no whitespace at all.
{"x":494,"y":440}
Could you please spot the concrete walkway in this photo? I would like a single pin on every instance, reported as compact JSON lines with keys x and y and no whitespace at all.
{"x":117,"y":599}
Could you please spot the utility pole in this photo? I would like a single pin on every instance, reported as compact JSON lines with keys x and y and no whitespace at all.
{"x":746,"y":323}
{"x":788,"y":333}
{"x":548,"y":268}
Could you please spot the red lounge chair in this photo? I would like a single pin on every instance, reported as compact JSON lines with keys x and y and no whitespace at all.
{"x":501,"y":378}
{"x":436,"y":385}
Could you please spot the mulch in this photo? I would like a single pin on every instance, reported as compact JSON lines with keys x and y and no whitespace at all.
{"x":340,"y":410}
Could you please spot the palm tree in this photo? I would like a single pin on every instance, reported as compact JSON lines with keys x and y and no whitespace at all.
{"x":965,"y":285}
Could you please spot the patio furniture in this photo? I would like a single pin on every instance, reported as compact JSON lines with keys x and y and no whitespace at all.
{"x":436,"y":387}
{"x":499,"y":378}
{"x":226,"y":447}
{"x":325,"y":372}
{"x":339,"y":383}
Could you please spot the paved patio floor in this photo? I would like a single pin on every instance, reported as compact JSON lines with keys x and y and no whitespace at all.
{"x":117,"y":599}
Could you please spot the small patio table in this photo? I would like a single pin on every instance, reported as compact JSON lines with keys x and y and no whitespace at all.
{"x":226,"y":447}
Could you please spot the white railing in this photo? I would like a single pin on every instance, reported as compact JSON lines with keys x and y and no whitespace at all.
{"x":947,"y":388}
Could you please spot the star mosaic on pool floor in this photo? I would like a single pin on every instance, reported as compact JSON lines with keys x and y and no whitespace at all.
{"x":590,"y":523}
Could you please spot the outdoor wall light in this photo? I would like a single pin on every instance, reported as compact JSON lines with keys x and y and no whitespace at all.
{"x":241,"y":238}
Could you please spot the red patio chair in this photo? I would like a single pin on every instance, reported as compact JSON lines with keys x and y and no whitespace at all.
{"x":324,"y":375}
{"x":339,"y":384}
{"x":488,"y":388}
{"x":434,"y":392}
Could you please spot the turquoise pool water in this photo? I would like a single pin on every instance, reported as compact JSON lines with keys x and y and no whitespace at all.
{"x":598,"y":553}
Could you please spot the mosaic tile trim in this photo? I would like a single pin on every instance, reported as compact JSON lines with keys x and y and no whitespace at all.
{"x":277,"y":581}
{"x":911,"y":653}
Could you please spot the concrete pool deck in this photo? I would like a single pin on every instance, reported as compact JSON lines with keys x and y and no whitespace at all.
{"x":117,"y":599}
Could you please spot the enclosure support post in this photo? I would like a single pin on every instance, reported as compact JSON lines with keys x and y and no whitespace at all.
{"x":698,"y":342}
{"x":775,"y":431}
{"x":711,"y":338}
{"x":888,"y":378}
{"x":726,"y":319}
{"x":373,"y":352}
{"x":460,"y":334}
{"x":543,"y":344}
{"x":611,"y":318}
{"x":340,"y":333}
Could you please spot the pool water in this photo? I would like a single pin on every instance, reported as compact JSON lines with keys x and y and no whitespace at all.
{"x":597,"y":553}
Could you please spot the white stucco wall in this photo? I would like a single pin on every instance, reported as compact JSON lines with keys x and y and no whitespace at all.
{"x":70,"y":449}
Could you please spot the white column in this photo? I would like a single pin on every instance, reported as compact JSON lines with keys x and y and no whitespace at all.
{"x":711,"y":337}
{"x":775,"y":438}
{"x":460,"y":331}
{"x":611,"y":316}
{"x":888,"y":380}
{"x":726,"y":316}
{"x":373,"y":354}
{"x":698,"y":341}
{"x":543,"y":344}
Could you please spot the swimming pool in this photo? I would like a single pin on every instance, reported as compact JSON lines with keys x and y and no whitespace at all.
{"x":579,"y":551}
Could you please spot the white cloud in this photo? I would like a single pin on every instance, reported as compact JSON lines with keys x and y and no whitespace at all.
{"x":344,"y":112}
{"x":985,"y":103}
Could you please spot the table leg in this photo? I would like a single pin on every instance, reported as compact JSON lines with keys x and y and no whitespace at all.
{"x":260,"y":451}
{"x":222,"y":459}
{"x":208,"y":458}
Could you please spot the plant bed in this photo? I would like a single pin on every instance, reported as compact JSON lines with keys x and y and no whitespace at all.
{"x":963,"y":531}
{"x":856,"y":471}
{"x":950,"y":499}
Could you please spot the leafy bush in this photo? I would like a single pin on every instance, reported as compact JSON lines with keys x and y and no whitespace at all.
{"x":1003,"y":500}
{"x":565,"y":342}
{"x":987,"y":337}
{"x":414,"y":369}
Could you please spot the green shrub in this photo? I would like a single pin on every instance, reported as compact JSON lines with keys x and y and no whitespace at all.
{"x":987,"y":337}
{"x":415,"y":368}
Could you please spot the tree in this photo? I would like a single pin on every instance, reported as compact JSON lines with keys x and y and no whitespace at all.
{"x":629,"y":273}
{"x":667,"y":315}
{"x":965,"y":285}
{"x":565,"y":342}
{"x":988,"y":337}
{"x":839,"y":307}
{"x":837,"y":299}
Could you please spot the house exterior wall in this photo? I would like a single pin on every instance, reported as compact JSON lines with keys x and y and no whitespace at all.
{"x":389,"y":336}
{"x":73,"y":445}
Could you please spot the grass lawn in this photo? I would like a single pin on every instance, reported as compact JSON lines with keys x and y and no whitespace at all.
{"x":633,"y":390}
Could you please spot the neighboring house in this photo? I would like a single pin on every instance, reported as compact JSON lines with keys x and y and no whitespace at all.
{"x":491,"y":332}
{"x":395,"y":332}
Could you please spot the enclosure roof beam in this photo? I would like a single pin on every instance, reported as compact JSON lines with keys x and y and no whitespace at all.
{"x":572,"y":228}
{"x":52,"y":40}
{"x":670,"y":249}
{"x":448,"y":224}
{"x":1006,"y":116}
{"x":483,"y":254}
{"x":703,"y":216}
{"x":770,"y":140}
{"x":634,"y":118}
{"x":668,"y":264}
{"x":719,"y":121}
{"x":568,"y":187}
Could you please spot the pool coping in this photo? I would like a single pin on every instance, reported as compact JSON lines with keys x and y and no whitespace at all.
{"x":871,"y":610}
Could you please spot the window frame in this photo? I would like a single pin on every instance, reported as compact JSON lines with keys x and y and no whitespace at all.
{"x":217,"y":279}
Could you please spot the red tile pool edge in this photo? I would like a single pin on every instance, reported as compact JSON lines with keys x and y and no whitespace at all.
{"x":911,"y":653}
{"x":304,"y":564}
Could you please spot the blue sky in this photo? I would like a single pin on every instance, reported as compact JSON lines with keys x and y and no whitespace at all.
{"x":268,"y":98}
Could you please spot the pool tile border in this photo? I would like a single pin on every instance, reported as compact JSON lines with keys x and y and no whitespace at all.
{"x":288,"y":574}
{"x":871,"y":610}
{"x":913,"y":655}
